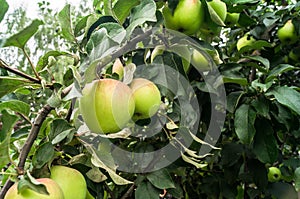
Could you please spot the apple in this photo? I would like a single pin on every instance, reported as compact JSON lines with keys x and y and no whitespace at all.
{"x":274,"y":174}
{"x":146,"y":97}
{"x":199,"y":61}
{"x":118,"y":68}
{"x":70,"y":180}
{"x":54,"y":190}
{"x":287,"y":33}
{"x":219,"y":7}
{"x":232,"y":19}
{"x":187,"y":16}
{"x":246,"y":40}
{"x":106,"y":105}
{"x":89,"y":195}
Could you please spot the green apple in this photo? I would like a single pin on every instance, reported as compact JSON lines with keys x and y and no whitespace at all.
{"x":106,"y":105}
{"x":89,"y":195}
{"x":118,"y":68}
{"x":246,"y":40}
{"x":200,"y":62}
{"x":232,"y":19}
{"x":287,"y":33}
{"x":219,"y":7}
{"x":147,"y":98}
{"x":274,"y":174}
{"x":187,"y":16}
{"x":54,"y":190}
{"x":70,"y":181}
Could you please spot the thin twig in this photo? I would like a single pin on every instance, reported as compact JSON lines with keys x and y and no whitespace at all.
{"x":17,"y":72}
{"x":31,"y":64}
{"x":128,"y":192}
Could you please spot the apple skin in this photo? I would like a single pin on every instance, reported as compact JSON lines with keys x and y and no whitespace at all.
{"x":187,"y":17}
{"x":232,"y":19}
{"x":287,"y":33}
{"x":246,"y":40}
{"x":146,"y":96}
{"x":54,"y":190}
{"x":274,"y":174}
{"x":200,"y":62}
{"x":219,"y":7}
{"x":107,"y":105}
{"x":70,"y":181}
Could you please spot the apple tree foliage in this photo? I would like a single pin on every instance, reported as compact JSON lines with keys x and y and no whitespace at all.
{"x":39,"y":123}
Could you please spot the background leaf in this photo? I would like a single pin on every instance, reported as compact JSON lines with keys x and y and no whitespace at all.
{"x":122,"y":9}
{"x":20,"y":39}
{"x":3,"y":9}
{"x":64,"y":18}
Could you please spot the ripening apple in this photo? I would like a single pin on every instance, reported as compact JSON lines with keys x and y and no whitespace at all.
{"x":106,"y":105}
{"x":287,"y":33}
{"x":147,"y":98}
{"x":274,"y":174}
{"x":200,"y":62}
{"x":187,"y":16}
{"x":54,"y":190}
{"x":232,"y":19}
{"x":246,"y":40}
{"x":71,"y":181}
{"x":219,"y":8}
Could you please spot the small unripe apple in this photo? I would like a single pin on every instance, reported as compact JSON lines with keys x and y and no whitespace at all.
{"x":71,"y":182}
{"x":106,"y":105}
{"x":219,"y":7}
{"x":232,"y":19}
{"x":274,"y":174}
{"x":147,"y":98}
{"x":54,"y":190}
{"x":187,"y":17}
{"x":287,"y":33}
{"x":246,"y":40}
{"x":199,"y":61}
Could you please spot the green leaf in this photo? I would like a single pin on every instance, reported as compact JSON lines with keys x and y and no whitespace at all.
{"x":161,"y":179}
{"x":281,"y":68}
{"x":43,"y":155}
{"x":8,"y":122}
{"x":64,"y":18}
{"x":3,"y":9}
{"x":57,"y":127}
{"x":282,"y":190}
{"x":244,"y":123}
{"x":145,"y":190}
{"x":122,"y":9}
{"x":297,"y":179}
{"x":28,"y":182}
{"x":260,"y":59}
{"x":43,"y":61}
{"x":145,"y":11}
{"x":20,"y":39}
{"x":287,"y":97}
{"x":234,"y":79}
{"x":261,"y":105}
{"x":16,"y":105}
{"x":264,"y":146}
{"x":214,"y":15}
{"x":10,"y":84}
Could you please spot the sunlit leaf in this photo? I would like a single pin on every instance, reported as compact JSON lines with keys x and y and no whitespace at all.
{"x":20,"y":39}
{"x":122,"y":9}
{"x":3,"y":9}
{"x":64,"y":18}
{"x":15,"y":105}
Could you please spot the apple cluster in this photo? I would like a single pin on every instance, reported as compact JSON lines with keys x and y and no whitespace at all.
{"x":108,"y":105}
{"x":193,"y":16}
{"x":64,"y":183}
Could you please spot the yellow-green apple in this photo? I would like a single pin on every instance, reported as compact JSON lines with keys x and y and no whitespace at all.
{"x":146,"y":96}
{"x":89,"y":195}
{"x":246,"y":40}
{"x":200,"y":62}
{"x":106,"y":105}
{"x":187,"y":16}
{"x":118,"y":68}
{"x":232,"y":19}
{"x":217,"y":7}
{"x":287,"y":33}
{"x":71,"y":181}
{"x":54,"y":190}
{"x":274,"y":174}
